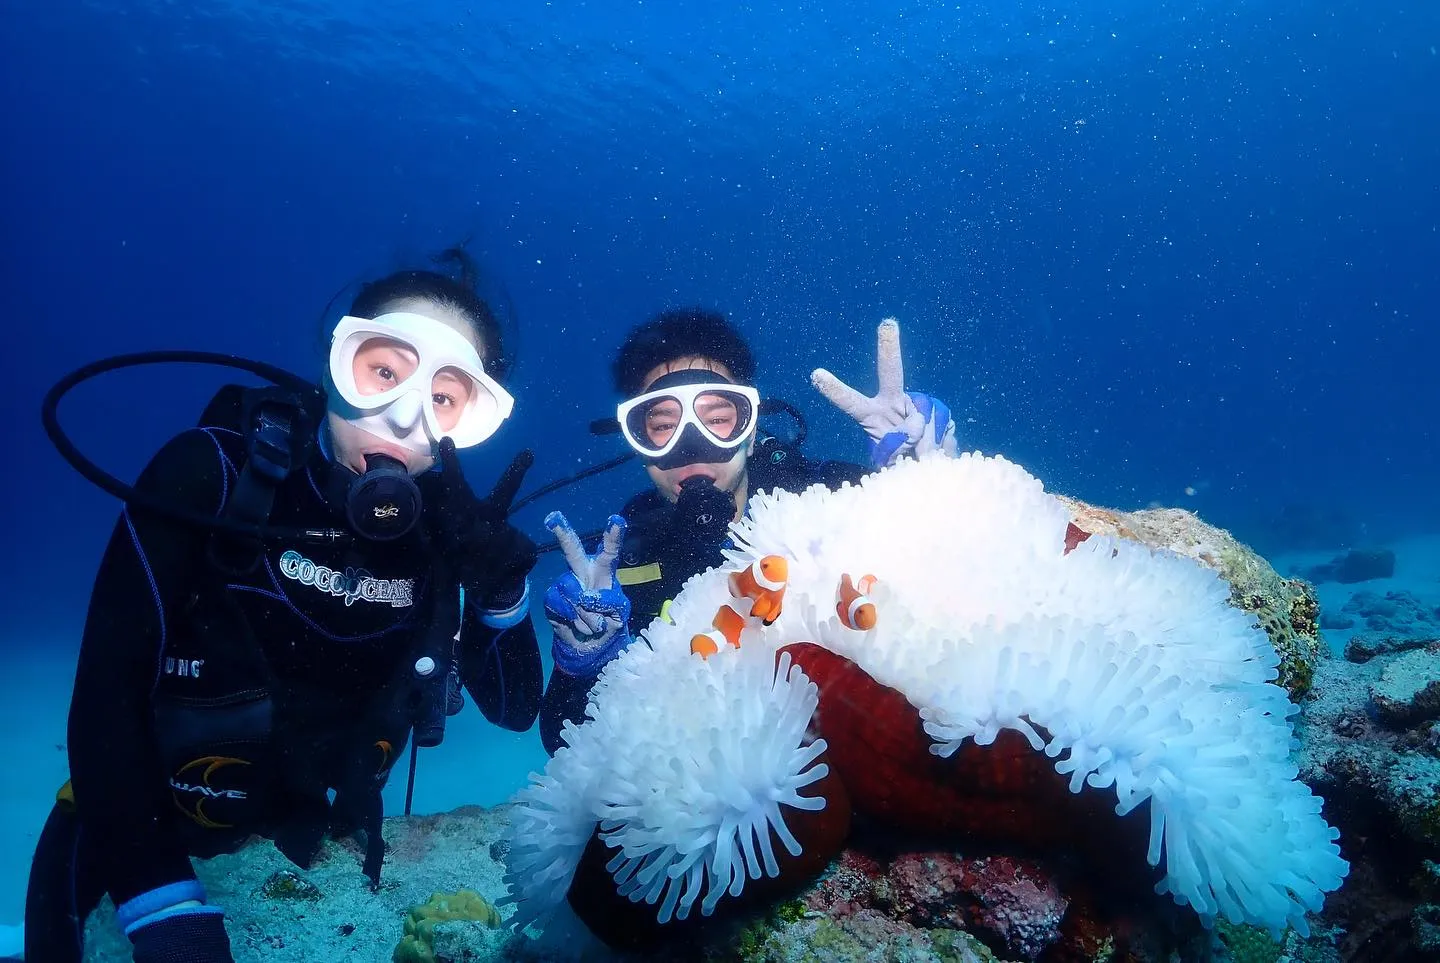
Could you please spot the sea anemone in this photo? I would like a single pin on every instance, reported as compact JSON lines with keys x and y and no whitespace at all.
{"x":686,"y":784}
{"x":1122,"y":667}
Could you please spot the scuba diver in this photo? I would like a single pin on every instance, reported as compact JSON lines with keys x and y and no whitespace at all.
{"x":293,"y":588}
{"x":691,"y":413}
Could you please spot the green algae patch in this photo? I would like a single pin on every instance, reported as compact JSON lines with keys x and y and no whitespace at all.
{"x":1248,"y":944}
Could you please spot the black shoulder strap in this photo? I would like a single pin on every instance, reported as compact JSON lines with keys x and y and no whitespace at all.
{"x":278,"y":427}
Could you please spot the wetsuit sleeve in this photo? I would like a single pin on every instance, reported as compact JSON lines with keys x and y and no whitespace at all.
{"x":565,"y":699}
{"x":125,"y":810}
{"x":500,"y":660}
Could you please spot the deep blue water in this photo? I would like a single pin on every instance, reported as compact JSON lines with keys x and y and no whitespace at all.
{"x":1136,"y":246}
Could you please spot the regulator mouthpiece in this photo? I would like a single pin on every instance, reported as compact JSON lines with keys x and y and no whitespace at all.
{"x":384,"y":503}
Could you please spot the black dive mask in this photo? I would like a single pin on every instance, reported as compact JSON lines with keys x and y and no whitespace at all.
{"x":689,"y":392}
{"x":384,"y":503}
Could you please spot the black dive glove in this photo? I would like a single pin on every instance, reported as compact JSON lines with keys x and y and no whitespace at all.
{"x":699,"y":523}
{"x":474,"y":535}
{"x":197,"y":937}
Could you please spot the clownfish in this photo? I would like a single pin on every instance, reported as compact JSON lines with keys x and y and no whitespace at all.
{"x":763,"y":583}
{"x":853,"y":605}
{"x":728,"y":624}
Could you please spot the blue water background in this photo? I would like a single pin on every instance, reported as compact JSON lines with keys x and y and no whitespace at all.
{"x":1138,"y":247}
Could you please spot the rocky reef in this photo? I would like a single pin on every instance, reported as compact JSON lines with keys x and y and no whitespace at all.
{"x":1371,"y":746}
{"x":1356,"y":565}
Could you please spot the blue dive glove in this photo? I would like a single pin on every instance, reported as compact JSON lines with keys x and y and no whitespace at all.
{"x":937,"y":432}
{"x":586,"y":607}
{"x":898,"y":422}
{"x":172,"y":924}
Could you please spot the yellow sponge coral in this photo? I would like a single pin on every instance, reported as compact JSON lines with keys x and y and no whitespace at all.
{"x":418,"y":943}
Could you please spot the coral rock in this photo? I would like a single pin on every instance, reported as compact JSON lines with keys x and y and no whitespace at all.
{"x":1013,"y":903}
{"x":289,"y":885}
{"x":855,"y":881}
{"x":1365,"y":646}
{"x":1395,"y":613}
{"x":1017,"y":907}
{"x":1017,"y":903}
{"x":1356,"y":565}
{"x":1408,"y":691}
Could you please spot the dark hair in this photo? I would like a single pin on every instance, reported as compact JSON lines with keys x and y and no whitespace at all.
{"x":459,"y":294}
{"x":676,"y":334}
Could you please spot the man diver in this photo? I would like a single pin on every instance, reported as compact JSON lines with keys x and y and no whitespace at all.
{"x":231,"y":684}
{"x":691,"y":411}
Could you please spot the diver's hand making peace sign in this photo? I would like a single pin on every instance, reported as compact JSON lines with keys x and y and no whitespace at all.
{"x":490,"y":556}
{"x":899,"y":423}
{"x":586,"y":607}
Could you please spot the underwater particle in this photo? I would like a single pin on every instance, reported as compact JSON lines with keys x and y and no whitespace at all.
{"x":418,"y":943}
{"x":289,"y":885}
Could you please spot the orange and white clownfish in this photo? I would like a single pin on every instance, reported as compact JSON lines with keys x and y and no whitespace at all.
{"x":728,"y":624}
{"x":853,"y":605}
{"x":763,"y":583}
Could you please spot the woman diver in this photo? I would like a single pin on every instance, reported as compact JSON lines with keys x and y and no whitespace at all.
{"x":232,"y":684}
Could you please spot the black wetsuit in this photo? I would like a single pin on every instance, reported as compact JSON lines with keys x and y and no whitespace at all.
{"x":661,"y":551}
{"x":209,"y":705}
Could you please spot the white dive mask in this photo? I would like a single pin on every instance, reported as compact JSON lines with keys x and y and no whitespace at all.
{"x":405,"y":413}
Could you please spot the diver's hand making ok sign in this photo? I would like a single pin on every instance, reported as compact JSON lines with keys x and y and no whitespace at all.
{"x":490,"y":556}
{"x":898,"y":422}
{"x":586,"y":607}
